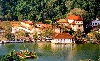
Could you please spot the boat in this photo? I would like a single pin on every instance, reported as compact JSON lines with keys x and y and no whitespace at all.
{"x":26,"y":54}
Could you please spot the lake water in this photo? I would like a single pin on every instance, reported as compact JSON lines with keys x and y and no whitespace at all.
{"x":55,"y":52}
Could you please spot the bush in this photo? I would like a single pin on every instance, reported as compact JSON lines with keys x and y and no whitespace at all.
{"x":12,"y":56}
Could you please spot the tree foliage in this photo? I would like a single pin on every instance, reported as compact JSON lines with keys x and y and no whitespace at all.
{"x":94,"y":35}
{"x":40,"y":10}
{"x":20,"y":34}
{"x":7,"y":27}
{"x":47,"y":32}
{"x":78,"y":34}
{"x":79,"y":12}
{"x":12,"y":56}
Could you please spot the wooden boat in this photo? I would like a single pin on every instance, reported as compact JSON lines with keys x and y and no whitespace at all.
{"x":26,"y":54}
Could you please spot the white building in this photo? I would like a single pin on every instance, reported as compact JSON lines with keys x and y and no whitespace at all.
{"x":62,"y":38}
{"x":23,"y":25}
{"x":76,"y":22}
{"x":39,"y":24}
{"x":95,"y":22}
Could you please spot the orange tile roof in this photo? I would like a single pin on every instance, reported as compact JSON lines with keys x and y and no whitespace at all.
{"x":45,"y":26}
{"x":15,"y":24}
{"x":74,"y":17}
{"x":62,"y":36}
{"x":39,"y":23}
{"x":29,"y":22}
{"x":73,"y":23}
{"x":30,"y":27}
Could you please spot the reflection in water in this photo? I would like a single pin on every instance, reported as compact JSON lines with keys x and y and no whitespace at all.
{"x":56,"y":52}
{"x":0,"y":45}
{"x":64,"y":49}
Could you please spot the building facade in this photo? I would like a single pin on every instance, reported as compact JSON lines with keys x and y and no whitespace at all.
{"x":95,"y":22}
{"x":76,"y":22}
{"x":62,"y":38}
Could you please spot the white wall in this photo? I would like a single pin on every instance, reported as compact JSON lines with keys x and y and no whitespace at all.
{"x":62,"y":41}
{"x":57,"y":30}
{"x":78,"y":22}
{"x":76,"y":27}
{"x":95,"y":23}
{"x":27,"y":30}
{"x":14,"y":30}
{"x":39,"y":25}
{"x":70,"y":21}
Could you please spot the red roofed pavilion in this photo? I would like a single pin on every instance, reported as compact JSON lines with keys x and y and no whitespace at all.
{"x":62,"y":38}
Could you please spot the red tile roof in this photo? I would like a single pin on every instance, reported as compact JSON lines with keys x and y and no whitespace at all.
{"x":73,"y":23}
{"x":74,"y":17}
{"x":29,"y":22}
{"x":15,"y":24}
{"x":45,"y":26}
{"x":62,"y":36}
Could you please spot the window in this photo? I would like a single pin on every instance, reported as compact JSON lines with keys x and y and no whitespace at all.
{"x":79,"y":25}
{"x":78,"y":29}
{"x":91,"y":24}
{"x":95,"y":23}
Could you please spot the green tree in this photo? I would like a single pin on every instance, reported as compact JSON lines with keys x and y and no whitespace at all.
{"x":20,"y":34}
{"x":40,"y":10}
{"x":35,"y":36}
{"x":97,"y":35}
{"x":7,"y":27}
{"x":94,"y":35}
{"x":47,"y":32}
{"x":78,"y":34}
{"x":79,"y":12}
{"x":11,"y":56}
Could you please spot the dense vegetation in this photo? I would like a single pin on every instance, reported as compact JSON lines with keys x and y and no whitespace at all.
{"x":11,"y":56}
{"x":40,"y":10}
